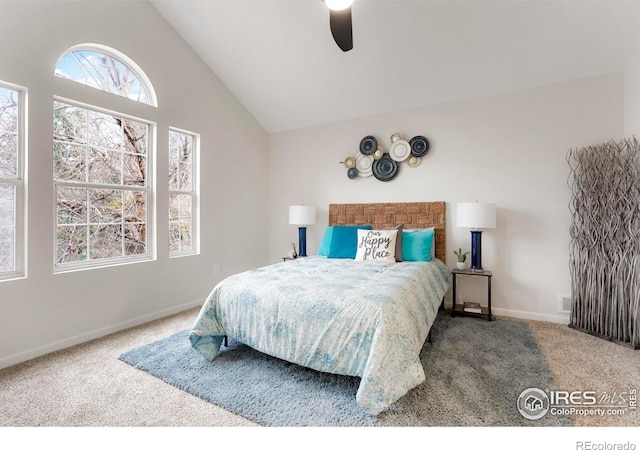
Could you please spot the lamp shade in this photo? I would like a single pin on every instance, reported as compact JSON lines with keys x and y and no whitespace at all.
{"x":302,"y":215}
{"x":476,"y":215}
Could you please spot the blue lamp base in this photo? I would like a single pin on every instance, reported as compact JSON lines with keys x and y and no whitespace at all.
{"x":476,"y":251}
{"x":302,"y":241}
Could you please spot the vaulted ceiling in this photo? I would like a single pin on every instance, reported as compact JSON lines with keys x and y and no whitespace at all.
{"x":279,"y":58}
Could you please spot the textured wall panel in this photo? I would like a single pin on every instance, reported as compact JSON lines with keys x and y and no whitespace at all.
{"x":605,"y":239}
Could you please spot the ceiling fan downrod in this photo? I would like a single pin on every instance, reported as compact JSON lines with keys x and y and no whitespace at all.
{"x":340,"y":23}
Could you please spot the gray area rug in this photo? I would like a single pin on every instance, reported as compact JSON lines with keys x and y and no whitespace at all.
{"x":475,"y":371}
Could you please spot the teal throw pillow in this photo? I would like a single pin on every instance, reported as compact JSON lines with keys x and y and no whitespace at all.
{"x":433,"y":247}
{"x":325,"y":245}
{"x":344,"y":241}
{"x":417,"y":245}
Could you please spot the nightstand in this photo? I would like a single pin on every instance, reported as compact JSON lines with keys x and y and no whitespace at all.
{"x":458,"y":308}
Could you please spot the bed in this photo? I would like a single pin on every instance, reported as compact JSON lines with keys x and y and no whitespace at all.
{"x":349,"y":316}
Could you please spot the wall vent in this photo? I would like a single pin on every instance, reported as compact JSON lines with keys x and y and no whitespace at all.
{"x":564,"y":303}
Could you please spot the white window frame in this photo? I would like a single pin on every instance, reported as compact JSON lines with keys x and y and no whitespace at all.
{"x":20,"y":208}
{"x":148,"y":189}
{"x":120,"y":57}
{"x":194,"y":192}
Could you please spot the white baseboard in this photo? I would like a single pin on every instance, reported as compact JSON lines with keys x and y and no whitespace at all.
{"x":85,"y":337}
{"x":527,"y":315}
{"x":554,"y":318}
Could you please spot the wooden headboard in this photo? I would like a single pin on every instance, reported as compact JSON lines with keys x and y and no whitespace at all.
{"x":388,"y":215}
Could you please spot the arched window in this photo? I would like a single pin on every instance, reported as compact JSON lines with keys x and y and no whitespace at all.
{"x":106,"y":69}
{"x":102,"y":164}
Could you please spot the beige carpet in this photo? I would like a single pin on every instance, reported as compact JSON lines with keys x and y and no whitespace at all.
{"x":579,"y":361}
{"x":88,"y":386}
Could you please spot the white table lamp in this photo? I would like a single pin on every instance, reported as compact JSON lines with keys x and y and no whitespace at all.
{"x":475,"y":216}
{"x":302,"y":216}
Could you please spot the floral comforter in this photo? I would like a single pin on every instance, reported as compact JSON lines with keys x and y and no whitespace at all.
{"x":359,"y":318}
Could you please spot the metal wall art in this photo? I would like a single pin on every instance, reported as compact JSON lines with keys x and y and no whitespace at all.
{"x":373,"y":159}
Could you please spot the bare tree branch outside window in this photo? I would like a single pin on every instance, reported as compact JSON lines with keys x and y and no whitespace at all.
{"x":9,"y":177}
{"x":104,"y":72}
{"x":181,"y":192}
{"x":100,"y":165}
{"x":100,"y":169}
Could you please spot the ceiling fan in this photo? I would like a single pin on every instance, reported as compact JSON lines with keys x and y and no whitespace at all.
{"x":340,"y":22}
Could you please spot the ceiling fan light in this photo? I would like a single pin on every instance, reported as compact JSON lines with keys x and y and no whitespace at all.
{"x":338,"y":5}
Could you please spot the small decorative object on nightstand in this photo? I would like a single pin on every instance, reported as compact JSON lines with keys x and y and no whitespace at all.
{"x":292,"y":253}
{"x":472,"y":308}
{"x":462,"y":258}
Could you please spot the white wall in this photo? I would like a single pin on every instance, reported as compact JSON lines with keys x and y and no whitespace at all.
{"x":632,"y":98}
{"x":507,"y":149}
{"x":45,"y":312}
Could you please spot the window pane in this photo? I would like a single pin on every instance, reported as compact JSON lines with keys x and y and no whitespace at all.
{"x":71,"y":205}
{"x":7,"y":205}
{"x":106,"y":206}
{"x":174,"y":236}
{"x":114,"y":218}
{"x":72,"y":244}
{"x":105,"y":241}
{"x":180,"y":161}
{"x":11,"y":239}
{"x":8,"y":110}
{"x":105,"y":166}
{"x":135,"y":207}
{"x":185,"y":147}
{"x":69,"y":123}
{"x":8,"y":133}
{"x":107,"y":160}
{"x":185,"y":183}
{"x":8,"y":155}
{"x":69,"y":162}
{"x":135,"y":169}
{"x":7,"y":249}
{"x":180,"y":235}
{"x":181,"y":171}
{"x":174,"y":162}
{"x":180,"y":206}
{"x":7,"y":227}
{"x":135,"y":136}
{"x":105,"y":131}
{"x":135,"y":239}
{"x":104,"y":72}
{"x":180,"y":222}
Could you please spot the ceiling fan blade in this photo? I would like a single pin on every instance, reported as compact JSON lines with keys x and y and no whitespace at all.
{"x":340,"y":23}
